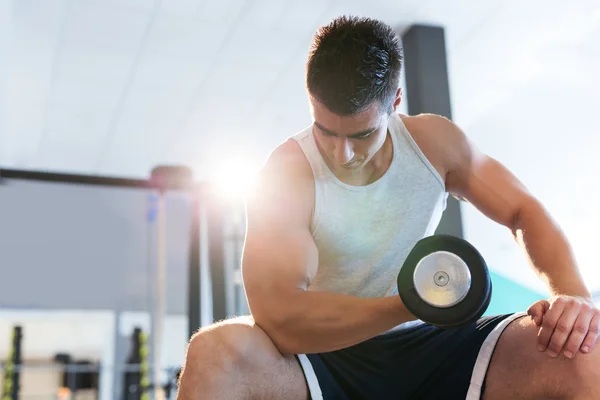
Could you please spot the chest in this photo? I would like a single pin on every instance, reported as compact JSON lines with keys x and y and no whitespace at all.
{"x":361,"y":225}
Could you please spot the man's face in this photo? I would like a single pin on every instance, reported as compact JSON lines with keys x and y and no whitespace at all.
{"x":349,"y":142}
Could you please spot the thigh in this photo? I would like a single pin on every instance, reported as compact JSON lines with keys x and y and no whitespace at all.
{"x":518,"y":370}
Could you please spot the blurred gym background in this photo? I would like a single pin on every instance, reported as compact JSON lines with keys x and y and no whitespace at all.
{"x":105,"y":269}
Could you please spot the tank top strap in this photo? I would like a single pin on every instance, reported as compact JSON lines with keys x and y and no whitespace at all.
{"x":306,"y":140}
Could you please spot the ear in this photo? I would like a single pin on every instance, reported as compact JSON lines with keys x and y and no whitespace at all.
{"x":398,"y":99}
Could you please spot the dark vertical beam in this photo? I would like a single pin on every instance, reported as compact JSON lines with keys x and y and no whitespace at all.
{"x":194,"y":283}
{"x":428,"y":91}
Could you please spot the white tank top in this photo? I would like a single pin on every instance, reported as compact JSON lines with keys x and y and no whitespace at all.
{"x":364,"y":233}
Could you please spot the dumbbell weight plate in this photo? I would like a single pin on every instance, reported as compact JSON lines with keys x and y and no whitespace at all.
{"x":442,"y":279}
{"x":445,"y":282}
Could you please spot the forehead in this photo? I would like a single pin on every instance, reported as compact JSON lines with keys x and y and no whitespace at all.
{"x":346,"y":124}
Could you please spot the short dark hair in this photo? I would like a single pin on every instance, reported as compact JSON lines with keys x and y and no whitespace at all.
{"x":353,"y":62}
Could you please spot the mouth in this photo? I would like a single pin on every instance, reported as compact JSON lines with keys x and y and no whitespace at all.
{"x":351,"y":165}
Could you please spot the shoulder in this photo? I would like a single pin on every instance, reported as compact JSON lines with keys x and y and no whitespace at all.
{"x":286,"y":165}
{"x":284,"y":187}
{"x":428,"y":128}
{"x":440,"y":139}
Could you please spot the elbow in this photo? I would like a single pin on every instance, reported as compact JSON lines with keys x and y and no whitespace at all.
{"x":529,"y":210}
{"x":278,"y":326}
{"x":514,"y":222}
{"x":281,"y":337}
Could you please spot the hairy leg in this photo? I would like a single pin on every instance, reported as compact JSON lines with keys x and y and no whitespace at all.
{"x":519,"y":371}
{"x":235,"y":359}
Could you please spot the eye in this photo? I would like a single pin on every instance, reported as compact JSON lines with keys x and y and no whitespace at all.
{"x":364,"y":137}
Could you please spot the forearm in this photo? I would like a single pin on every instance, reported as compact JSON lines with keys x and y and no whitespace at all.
{"x":313,"y":322}
{"x":549,"y":251}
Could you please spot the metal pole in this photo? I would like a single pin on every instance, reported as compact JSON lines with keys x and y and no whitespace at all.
{"x":160,"y":292}
{"x":194,"y":284}
{"x":163,"y":178}
{"x":216,"y":256}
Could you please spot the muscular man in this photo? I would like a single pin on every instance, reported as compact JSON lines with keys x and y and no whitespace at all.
{"x":338,"y":207}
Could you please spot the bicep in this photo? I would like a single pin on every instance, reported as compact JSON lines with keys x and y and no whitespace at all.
{"x":277,"y":264}
{"x":279,"y":256}
{"x":278,"y":261}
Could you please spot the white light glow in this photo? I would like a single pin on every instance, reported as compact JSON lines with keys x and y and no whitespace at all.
{"x":234,"y":178}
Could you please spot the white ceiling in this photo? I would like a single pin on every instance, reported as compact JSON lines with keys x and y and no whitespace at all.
{"x":115,"y":87}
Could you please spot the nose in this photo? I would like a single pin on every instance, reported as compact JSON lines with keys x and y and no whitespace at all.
{"x":344,"y":151}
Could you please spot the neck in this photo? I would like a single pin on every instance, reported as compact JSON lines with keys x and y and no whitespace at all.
{"x":383,"y":158}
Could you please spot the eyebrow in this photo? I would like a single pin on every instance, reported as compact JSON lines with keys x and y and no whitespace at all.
{"x":353,"y":136}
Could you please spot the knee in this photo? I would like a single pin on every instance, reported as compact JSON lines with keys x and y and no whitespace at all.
{"x":227,"y":346}
{"x":216,"y":345}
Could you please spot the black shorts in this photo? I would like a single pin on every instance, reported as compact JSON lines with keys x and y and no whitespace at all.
{"x":413,"y":361}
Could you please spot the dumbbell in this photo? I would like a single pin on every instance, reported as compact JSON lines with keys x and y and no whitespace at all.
{"x":445,"y":282}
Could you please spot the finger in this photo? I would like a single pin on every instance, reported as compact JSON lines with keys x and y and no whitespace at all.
{"x":537,"y":311}
{"x":579,"y":331}
{"x":592,"y":334}
{"x":563,"y":328}
{"x":549,"y":323}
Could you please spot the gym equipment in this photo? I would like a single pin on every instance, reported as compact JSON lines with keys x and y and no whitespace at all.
{"x":136,"y":383}
{"x":12,"y":374}
{"x":445,"y":282}
{"x":77,"y":374}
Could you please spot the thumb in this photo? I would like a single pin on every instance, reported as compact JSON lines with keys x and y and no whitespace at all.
{"x":537,"y":311}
